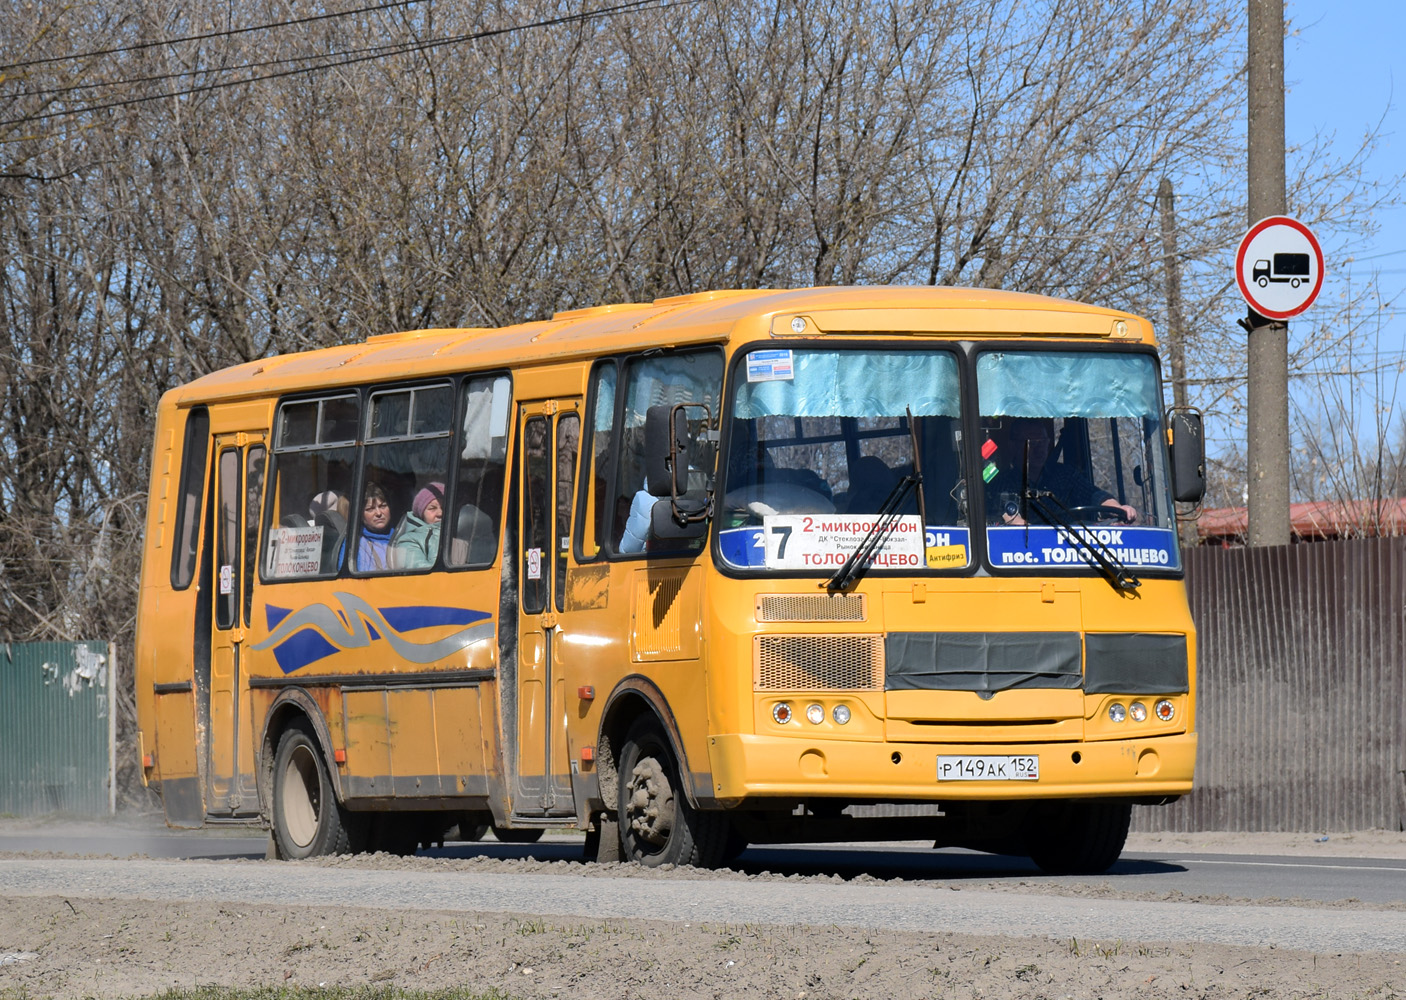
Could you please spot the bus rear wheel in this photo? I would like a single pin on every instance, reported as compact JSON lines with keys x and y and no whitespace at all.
{"x":307,"y":818}
{"x":657,"y":825}
{"x":1079,"y":838}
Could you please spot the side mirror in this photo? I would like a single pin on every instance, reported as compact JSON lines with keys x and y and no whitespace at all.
{"x":664,"y":525}
{"x":665,"y":453}
{"x":1188,"y":448}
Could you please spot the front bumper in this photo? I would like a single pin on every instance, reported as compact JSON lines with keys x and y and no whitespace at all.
{"x":749,"y":767}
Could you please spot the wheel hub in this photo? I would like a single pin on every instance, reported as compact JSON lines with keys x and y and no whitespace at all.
{"x":649,"y":808}
{"x":300,"y":793}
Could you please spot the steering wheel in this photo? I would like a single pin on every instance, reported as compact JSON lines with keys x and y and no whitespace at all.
{"x":1095,"y":512}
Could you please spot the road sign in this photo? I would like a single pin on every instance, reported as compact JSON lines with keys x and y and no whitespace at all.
{"x":1279,"y":267}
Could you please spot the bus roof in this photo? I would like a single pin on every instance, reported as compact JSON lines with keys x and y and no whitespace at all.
{"x":704,"y":317}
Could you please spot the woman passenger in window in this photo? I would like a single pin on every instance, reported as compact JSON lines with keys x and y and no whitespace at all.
{"x":416,"y":542}
{"x":373,"y":544}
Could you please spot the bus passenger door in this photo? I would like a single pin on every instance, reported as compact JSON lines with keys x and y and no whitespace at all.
{"x":229,"y":772}
{"x":550,"y":433}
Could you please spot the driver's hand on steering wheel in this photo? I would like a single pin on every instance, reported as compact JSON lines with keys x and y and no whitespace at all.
{"x":1130,"y":514}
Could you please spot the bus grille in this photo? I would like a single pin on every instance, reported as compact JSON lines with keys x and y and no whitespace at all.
{"x":810,"y":608}
{"x":819,"y":662}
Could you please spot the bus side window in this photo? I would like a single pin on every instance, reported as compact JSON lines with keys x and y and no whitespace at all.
{"x":407,"y":459}
{"x":253,"y":503}
{"x":591,"y":524}
{"x":187,"y":531}
{"x":314,"y":452}
{"x":476,"y":503}
{"x":692,"y":377}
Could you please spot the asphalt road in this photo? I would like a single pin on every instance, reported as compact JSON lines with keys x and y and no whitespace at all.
{"x":893,"y":905}
{"x":885,"y":886}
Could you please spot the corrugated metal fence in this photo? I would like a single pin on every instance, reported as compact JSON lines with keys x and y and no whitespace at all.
{"x":57,"y":728}
{"x":1302,"y":689}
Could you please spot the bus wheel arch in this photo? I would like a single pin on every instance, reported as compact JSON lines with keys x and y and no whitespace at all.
{"x":634,"y":698}
{"x":308,"y":818}
{"x":658,"y":824}
{"x":308,"y":758}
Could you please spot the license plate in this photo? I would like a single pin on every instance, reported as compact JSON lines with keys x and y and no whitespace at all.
{"x":975,"y":768}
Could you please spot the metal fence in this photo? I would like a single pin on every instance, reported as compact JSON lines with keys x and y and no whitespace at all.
{"x":57,"y":728}
{"x":1301,"y":701}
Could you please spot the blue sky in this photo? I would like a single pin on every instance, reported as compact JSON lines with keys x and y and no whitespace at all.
{"x":1344,"y":68}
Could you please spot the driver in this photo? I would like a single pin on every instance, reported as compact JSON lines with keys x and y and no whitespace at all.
{"x":1070,"y":487}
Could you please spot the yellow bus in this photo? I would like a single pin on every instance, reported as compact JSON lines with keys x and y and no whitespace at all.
{"x":722,"y":569}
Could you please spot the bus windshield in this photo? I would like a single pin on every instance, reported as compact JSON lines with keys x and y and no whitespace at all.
{"x":1072,"y":440}
{"x":821,"y":439}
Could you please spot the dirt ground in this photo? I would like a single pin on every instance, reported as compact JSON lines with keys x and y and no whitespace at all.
{"x":50,"y":946}
{"x":117,"y":949}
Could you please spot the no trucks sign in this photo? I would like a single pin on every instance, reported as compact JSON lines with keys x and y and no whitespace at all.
{"x":1279,"y":267}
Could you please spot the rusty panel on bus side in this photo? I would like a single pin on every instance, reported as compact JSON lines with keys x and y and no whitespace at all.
{"x":459,"y":740}
{"x":368,"y":752}
{"x":410,"y":725}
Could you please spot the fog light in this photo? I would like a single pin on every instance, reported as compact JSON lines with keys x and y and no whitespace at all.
{"x":1138,"y":711}
{"x":781,"y":712}
{"x":816,"y":714}
{"x":1165,"y":710}
{"x":1117,"y":712}
{"x":841,"y":714}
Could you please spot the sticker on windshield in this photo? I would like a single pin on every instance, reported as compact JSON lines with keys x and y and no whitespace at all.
{"x":825,"y":541}
{"x":945,"y":547}
{"x":770,"y":366}
{"x":1043,"y":545}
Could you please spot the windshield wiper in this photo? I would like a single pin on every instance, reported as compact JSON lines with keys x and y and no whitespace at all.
{"x":1119,"y":577}
{"x":861,"y":558}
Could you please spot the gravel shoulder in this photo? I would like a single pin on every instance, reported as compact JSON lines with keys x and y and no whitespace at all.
{"x":58,"y":946}
{"x":118,"y":949}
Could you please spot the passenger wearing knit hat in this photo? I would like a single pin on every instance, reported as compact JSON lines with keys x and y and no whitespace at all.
{"x":433,"y":493}
{"x":416,"y":542}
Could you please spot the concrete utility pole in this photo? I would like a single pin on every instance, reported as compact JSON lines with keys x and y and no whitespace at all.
{"x":1268,"y":447}
{"x":1176,"y":331}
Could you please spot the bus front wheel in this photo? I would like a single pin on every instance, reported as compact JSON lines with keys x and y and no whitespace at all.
{"x":657,"y":825}
{"x":307,"y":818}
{"x":1079,"y":837}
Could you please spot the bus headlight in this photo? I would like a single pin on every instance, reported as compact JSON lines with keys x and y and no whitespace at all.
{"x":1116,"y":712}
{"x":781,"y":712}
{"x":815,"y":714}
{"x":1138,"y":711}
{"x":1165,"y":710}
{"x":841,"y":714}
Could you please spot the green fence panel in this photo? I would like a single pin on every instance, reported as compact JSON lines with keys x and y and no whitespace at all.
{"x":57,"y":728}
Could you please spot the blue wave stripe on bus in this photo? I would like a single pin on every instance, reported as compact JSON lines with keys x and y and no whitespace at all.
{"x":317,"y":631}
{"x":302,"y":648}
{"x":408,"y":619}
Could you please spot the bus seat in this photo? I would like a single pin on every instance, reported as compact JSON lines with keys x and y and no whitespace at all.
{"x":473,"y":537}
{"x":334,"y":530}
{"x":294,"y":521}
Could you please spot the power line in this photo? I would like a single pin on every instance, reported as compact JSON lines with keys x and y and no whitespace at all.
{"x":226,"y":33}
{"x":335,"y":60}
{"x":209,"y":70}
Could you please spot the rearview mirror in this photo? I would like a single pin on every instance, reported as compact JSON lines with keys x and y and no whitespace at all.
{"x":664,"y":453}
{"x":1188,"y":448}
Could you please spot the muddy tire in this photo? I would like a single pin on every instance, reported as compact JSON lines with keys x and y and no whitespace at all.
{"x":308,"y":821}
{"x":657,"y":825}
{"x":1080,"y":838}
